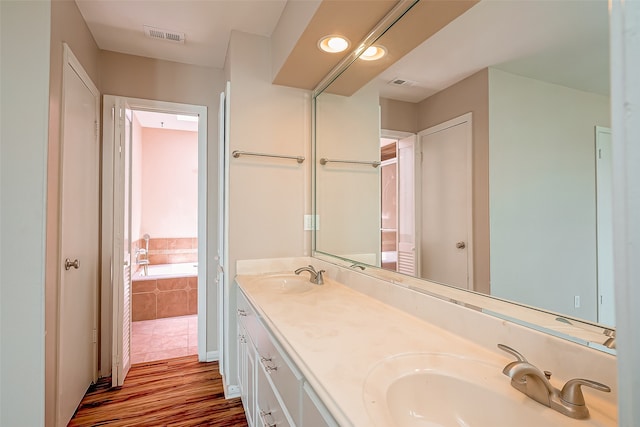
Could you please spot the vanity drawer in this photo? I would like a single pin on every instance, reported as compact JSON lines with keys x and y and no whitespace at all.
{"x":269,"y":413}
{"x":285,"y":377}
{"x":248,"y":318}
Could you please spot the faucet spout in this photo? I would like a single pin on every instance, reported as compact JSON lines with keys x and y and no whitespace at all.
{"x":531,"y":381}
{"x":315,"y":277}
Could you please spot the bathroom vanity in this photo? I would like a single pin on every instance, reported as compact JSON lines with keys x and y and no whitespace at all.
{"x":329,"y":355}
{"x":273,"y":389}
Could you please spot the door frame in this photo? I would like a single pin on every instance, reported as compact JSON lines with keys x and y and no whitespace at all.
{"x":465,"y":118}
{"x":108,"y":271}
{"x":604,"y":233}
{"x":70,"y":60}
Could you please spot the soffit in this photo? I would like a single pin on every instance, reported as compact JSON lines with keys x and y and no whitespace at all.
{"x":307,"y":65}
{"x":424,"y":20}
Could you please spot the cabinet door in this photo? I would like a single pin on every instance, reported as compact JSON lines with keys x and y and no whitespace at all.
{"x":246,"y":373}
{"x":269,"y":413}
{"x":314,"y":413}
{"x":249,"y":402}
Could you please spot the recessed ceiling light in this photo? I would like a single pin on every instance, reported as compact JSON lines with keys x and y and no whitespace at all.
{"x":373,"y":52}
{"x":333,"y":44}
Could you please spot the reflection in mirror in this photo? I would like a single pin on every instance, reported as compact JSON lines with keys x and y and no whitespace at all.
{"x":494,"y":142}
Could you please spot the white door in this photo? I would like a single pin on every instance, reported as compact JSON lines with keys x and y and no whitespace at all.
{"x":121,"y":244}
{"x":407,"y":252}
{"x":604,"y":197}
{"x":79,"y":238}
{"x":445,"y":239}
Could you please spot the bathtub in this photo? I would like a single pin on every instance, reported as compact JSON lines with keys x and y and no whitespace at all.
{"x":168,"y":270}
{"x":169,"y":290}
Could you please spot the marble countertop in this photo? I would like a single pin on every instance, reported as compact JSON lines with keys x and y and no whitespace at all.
{"x":336,"y":335}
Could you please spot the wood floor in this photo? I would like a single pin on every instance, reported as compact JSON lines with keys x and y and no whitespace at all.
{"x":178,"y":392}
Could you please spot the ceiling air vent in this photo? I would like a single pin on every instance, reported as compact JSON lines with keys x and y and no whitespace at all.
{"x":160,"y":34}
{"x":402,"y":82}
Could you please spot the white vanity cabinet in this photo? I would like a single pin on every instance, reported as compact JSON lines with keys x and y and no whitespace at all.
{"x":273,"y":391}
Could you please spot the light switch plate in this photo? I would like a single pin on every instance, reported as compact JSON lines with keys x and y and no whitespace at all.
{"x":308,"y":222}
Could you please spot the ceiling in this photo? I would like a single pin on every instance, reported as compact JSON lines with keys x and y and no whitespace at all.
{"x":560,"y":41}
{"x":565,"y":42}
{"x":119,"y":26}
{"x":152,"y":119}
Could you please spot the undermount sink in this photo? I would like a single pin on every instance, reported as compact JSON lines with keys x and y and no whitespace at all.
{"x":437,"y":389}
{"x":286,"y":283}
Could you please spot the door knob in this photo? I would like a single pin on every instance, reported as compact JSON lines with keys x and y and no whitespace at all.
{"x":461,"y":245}
{"x":68,"y":264}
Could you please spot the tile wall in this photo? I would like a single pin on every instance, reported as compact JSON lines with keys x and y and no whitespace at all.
{"x":170,"y":250}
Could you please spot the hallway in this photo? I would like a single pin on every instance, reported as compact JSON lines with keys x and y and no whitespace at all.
{"x":175,"y":392}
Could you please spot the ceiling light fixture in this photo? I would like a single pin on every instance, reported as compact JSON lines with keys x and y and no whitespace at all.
{"x":373,"y":53}
{"x":333,"y":44}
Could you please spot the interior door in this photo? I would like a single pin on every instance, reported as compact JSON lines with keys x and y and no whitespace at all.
{"x":407,"y":249}
{"x":445,"y":205}
{"x":121,"y":244}
{"x":79,"y":238}
{"x":604,"y":198}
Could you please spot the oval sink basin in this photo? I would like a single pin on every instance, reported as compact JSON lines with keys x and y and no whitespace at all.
{"x":435,"y":389}
{"x":286,"y":283}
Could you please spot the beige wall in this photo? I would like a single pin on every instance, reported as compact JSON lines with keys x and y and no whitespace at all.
{"x":136,"y":179}
{"x":348,"y":196}
{"x":68,"y":26}
{"x":469,"y":95}
{"x":268,"y":197}
{"x":398,"y":115}
{"x":169,"y":183}
{"x":24,"y":92}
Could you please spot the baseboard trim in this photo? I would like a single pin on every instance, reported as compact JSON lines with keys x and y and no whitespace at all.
{"x":230,"y":391}
{"x":213,"y":356}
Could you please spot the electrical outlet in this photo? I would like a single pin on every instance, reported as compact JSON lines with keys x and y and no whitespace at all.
{"x":576,"y":301}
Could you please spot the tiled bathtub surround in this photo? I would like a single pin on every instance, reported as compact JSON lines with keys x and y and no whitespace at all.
{"x":155,"y":298}
{"x":170,"y":250}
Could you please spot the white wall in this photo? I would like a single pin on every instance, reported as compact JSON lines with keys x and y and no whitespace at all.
{"x":542,"y":192}
{"x":348,"y":197}
{"x":24,"y":92}
{"x":268,"y":197}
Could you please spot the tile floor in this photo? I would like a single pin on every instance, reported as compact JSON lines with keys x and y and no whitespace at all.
{"x":166,"y":338}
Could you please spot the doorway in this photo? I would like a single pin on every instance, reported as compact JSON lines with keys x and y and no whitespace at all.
{"x":164,"y":234}
{"x":155,"y":158}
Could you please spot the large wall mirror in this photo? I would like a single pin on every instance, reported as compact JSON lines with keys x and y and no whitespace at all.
{"x":479,"y":160}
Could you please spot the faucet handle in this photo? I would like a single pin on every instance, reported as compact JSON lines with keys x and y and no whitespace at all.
{"x":572,"y":392}
{"x":513,"y":352}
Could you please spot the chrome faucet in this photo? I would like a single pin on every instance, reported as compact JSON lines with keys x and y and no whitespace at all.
{"x":315,"y":276}
{"x":531,"y":381}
